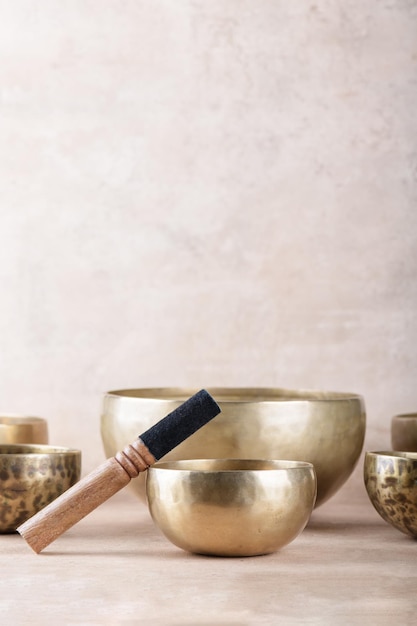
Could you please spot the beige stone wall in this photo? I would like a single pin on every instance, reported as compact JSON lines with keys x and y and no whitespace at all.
{"x":206,"y":193}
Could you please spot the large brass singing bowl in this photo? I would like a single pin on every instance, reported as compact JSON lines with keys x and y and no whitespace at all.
{"x":391,"y":482}
{"x":231,"y":507}
{"x":31,"y":476}
{"x":323,"y":428}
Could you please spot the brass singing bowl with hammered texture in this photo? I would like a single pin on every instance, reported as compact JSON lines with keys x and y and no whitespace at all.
{"x":404,"y":432}
{"x":391,"y":482}
{"x":231,"y":507}
{"x":323,"y":428}
{"x":31,"y":476}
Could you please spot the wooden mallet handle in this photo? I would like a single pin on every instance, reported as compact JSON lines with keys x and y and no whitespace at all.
{"x":102,"y":483}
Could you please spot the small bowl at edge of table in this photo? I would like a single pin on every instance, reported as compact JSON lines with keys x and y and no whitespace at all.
{"x":32,"y":476}
{"x":391,"y":483}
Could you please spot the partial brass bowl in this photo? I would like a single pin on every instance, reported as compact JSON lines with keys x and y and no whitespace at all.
{"x":323,"y":428}
{"x":404,"y":432}
{"x":23,"y":429}
{"x":391,"y":482}
{"x":231,"y":507}
{"x":31,"y":476}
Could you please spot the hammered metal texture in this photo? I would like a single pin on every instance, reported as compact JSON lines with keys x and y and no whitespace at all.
{"x":391,"y":482}
{"x":231,"y":507}
{"x":323,"y":428}
{"x":31,"y":476}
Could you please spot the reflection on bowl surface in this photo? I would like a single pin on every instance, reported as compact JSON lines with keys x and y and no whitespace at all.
{"x":231,"y":507}
{"x":391,"y":482}
{"x":323,"y":428}
{"x":31,"y":476}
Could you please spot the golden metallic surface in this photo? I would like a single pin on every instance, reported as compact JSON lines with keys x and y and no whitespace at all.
{"x":23,"y":429}
{"x":391,"y":482}
{"x":323,"y":428}
{"x":404,"y":432}
{"x":231,"y":507}
{"x":31,"y":476}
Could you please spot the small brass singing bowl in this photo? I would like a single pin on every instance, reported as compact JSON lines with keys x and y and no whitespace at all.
{"x":404,"y":432}
{"x":31,"y":476}
{"x":231,"y":507}
{"x":324,"y":428}
{"x":23,"y":429}
{"x":391,"y":482}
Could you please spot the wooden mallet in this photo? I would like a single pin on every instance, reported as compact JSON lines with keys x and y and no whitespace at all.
{"x":86,"y":495}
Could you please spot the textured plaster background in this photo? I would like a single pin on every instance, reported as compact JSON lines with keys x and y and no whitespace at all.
{"x":206,"y":193}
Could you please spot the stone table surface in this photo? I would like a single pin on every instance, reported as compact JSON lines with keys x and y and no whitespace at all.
{"x":115,"y":567}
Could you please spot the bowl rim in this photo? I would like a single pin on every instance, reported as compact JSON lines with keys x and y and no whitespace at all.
{"x":405,"y":416}
{"x":35,"y":449}
{"x":183,"y":465}
{"x":394,"y":454}
{"x":234,"y":395}
{"x":12,"y":419}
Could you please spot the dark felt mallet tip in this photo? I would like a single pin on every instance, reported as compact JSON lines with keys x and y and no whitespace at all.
{"x":180,"y":424}
{"x":91,"y":491}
